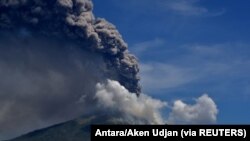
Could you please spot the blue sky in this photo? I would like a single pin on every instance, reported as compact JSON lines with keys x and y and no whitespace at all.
{"x":189,"y":47}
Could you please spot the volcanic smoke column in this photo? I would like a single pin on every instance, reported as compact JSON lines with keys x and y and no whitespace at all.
{"x":52,"y":55}
{"x":72,"y":20}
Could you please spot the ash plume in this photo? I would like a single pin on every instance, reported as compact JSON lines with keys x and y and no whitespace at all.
{"x":73,"y":20}
{"x":52,"y":55}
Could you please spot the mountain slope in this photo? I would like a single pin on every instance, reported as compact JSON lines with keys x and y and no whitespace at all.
{"x":75,"y":130}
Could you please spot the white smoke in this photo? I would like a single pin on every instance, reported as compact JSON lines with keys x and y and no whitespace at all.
{"x":114,"y":97}
{"x":204,"y":111}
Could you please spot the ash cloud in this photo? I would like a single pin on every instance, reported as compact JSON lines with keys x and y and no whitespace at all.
{"x":73,"y":20}
{"x":52,"y":55}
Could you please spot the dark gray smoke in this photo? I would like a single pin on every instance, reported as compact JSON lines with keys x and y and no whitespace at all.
{"x":73,"y":20}
{"x":52,"y":55}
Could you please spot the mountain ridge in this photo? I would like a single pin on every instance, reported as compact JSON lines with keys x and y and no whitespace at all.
{"x":73,"y":130}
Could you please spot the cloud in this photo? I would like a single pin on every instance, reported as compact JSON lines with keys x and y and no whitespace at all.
{"x":141,"y":47}
{"x":188,"y":8}
{"x":204,"y":111}
{"x":158,"y":76}
{"x":191,"y":8}
{"x":191,"y":64}
{"x":114,"y":97}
